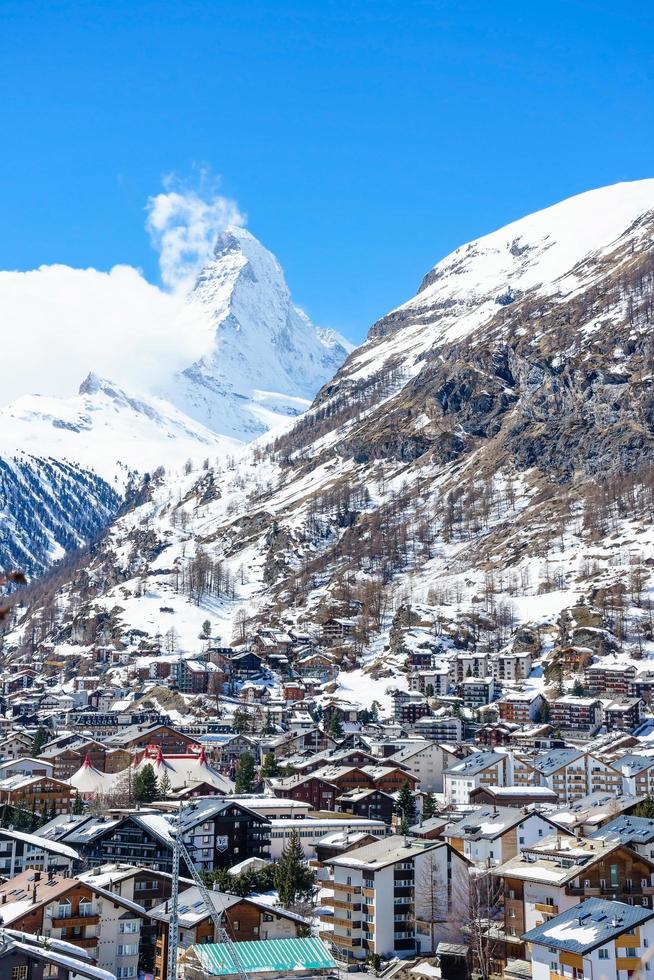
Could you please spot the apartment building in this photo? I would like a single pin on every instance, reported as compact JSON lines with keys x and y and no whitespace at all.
{"x":512,"y":667}
{"x":625,"y":715}
{"x":575,"y":714}
{"x":596,"y":939}
{"x":478,"y":769}
{"x":492,"y":835}
{"x":520,"y":708}
{"x":556,"y":873}
{"x":609,"y":678}
{"x":396,"y":897}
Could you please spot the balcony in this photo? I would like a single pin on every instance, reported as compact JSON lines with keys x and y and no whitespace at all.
{"x":547,"y":909}
{"x":85,"y":942}
{"x":69,"y":921}
{"x":339,"y":904}
{"x":338,"y":886}
{"x":347,"y":941}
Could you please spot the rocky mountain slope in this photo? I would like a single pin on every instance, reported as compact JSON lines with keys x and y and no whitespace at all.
{"x":483,"y":461}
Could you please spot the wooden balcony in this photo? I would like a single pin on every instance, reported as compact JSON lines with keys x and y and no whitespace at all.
{"x":340,"y":904}
{"x":368,"y":892}
{"x":85,"y":942}
{"x":547,"y":909}
{"x":338,"y":886}
{"x":347,"y":941}
{"x":70,"y":921}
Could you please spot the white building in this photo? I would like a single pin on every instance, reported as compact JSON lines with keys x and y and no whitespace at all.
{"x":397,"y":897}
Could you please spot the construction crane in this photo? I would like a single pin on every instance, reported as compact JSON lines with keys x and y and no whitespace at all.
{"x":180,"y":850}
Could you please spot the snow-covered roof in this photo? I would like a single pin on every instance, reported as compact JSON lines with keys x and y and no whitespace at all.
{"x":588,"y":925}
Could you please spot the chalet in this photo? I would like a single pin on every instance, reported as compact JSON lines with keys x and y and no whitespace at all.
{"x":319,"y":792}
{"x":137,"y":737}
{"x":372,"y":803}
{"x":491,"y":835}
{"x":37,"y":793}
{"x":556,"y":873}
{"x":71,"y":910}
{"x":215,"y":830}
{"x":244,"y":665}
{"x":336,"y":630}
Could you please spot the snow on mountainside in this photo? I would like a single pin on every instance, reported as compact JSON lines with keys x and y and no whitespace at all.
{"x":265,"y":360}
{"x":106,"y":429}
{"x":47,"y":508}
{"x":483,"y":461}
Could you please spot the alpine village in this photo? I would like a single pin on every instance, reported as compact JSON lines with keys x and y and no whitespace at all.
{"x":357,"y":674}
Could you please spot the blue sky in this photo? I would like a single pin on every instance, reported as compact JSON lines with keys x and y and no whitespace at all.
{"x":363,"y":140}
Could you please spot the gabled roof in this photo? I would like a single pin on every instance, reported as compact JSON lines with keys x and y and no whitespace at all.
{"x":474,"y":764}
{"x":554,"y":759}
{"x":626,"y":830}
{"x":588,"y":925}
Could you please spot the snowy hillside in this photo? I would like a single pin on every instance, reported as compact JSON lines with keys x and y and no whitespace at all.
{"x":108,"y":430}
{"x":47,"y":508}
{"x":482,"y":462}
{"x":265,"y":359}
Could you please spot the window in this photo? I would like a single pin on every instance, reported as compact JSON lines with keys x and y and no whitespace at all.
{"x":128,"y":927}
{"x":631,"y":951}
{"x":50,"y":970}
{"x":604,"y":954}
{"x":19,"y":973}
{"x":236,"y":925}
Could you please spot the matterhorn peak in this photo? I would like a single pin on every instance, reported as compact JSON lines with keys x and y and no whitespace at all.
{"x":265,"y":359}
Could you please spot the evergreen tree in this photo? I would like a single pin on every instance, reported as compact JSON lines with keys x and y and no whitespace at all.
{"x":41,"y":736}
{"x":78,"y":806}
{"x":578,"y":689}
{"x":21,"y":817}
{"x":428,"y":806}
{"x":144,"y":787}
{"x":163,"y":786}
{"x":335,"y":729}
{"x":206,"y":629}
{"x":44,"y":814}
{"x":645,"y":809}
{"x":268,"y":726}
{"x":405,"y":807}
{"x":241,"y":721}
{"x":270,"y":766}
{"x":293,"y":878}
{"x":245,"y":774}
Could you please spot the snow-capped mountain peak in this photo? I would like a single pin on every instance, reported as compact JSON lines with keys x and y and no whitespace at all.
{"x":265,"y":360}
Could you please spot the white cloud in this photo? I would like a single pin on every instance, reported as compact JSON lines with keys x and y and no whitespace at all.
{"x":184,"y":224}
{"x":58,"y":323}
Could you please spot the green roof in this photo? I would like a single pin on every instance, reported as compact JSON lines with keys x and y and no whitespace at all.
{"x":265,"y":956}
